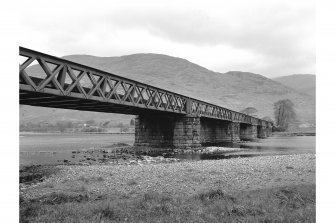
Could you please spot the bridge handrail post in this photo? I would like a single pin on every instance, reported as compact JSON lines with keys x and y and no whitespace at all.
{"x":188,"y":106}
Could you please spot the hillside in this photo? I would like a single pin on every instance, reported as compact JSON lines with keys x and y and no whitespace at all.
{"x":52,"y":115}
{"x":235,"y":90}
{"x":304,"y":83}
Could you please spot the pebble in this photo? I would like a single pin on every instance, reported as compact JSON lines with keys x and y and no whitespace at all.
{"x":183,"y":177}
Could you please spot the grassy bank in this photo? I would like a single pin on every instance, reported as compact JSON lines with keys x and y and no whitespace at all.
{"x":257,"y":189}
{"x":286,"y":204}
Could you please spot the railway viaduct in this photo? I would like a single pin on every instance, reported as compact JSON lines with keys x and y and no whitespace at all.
{"x":163,"y":118}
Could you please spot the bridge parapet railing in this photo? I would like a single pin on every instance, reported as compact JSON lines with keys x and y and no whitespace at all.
{"x":200,"y":108}
{"x":43,"y":73}
{"x":65,"y":78}
{"x":263,"y":123}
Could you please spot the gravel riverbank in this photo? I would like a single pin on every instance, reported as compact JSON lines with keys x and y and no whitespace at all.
{"x":178,"y":178}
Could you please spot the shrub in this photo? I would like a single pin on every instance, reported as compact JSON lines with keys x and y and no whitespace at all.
{"x":214,"y":194}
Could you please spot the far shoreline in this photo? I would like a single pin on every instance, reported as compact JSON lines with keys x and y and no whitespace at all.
{"x":309,"y":133}
{"x":75,"y":133}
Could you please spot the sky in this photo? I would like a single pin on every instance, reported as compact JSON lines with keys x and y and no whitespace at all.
{"x":268,"y":37}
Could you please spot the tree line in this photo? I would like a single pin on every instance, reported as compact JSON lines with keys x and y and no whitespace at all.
{"x":70,"y":126}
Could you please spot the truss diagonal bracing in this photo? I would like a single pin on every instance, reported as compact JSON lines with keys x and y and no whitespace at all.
{"x":54,"y":82}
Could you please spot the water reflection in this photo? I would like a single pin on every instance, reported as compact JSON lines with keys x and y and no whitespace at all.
{"x":261,"y":147}
{"x":214,"y":156}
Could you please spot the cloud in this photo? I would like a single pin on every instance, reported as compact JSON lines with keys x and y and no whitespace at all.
{"x":266,"y":37}
{"x":274,"y":32}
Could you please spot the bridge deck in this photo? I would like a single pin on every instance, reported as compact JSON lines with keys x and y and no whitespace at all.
{"x":58,"y":83}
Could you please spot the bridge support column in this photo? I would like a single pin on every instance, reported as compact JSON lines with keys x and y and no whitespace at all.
{"x":214,"y":131}
{"x":262,"y":132}
{"x":248,"y":132}
{"x":191,"y":131}
{"x":166,"y":131}
{"x":234,"y":131}
{"x":187,"y":132}
{"x":153,"y":131}
{"x":268,"y":131}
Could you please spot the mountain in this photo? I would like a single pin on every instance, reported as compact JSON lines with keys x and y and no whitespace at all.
{"x":235,"y":89}
{"x":304,"y":83}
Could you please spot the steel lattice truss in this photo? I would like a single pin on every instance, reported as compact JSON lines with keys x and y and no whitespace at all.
{"x":212,"y":111}
{"x":59,"y":83}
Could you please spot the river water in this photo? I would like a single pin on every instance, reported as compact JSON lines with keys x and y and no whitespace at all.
{"x":44,"y":148}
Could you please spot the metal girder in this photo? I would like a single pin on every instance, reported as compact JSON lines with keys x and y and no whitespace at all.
{"x":55,"y":82}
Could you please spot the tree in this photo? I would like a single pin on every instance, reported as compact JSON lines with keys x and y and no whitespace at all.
{"x":121,"y":126}
{"x":90,"y":122}
{"x":249,"y":110}
{"x":60,"y":125}
{"x":124,"y":129}
{"x":105,"y":124}
{"x":284,"y":114}
{"x":267,"y":118}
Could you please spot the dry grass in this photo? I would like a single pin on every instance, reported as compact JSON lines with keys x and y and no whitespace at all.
{"x":90,"y":179}
{"x":209,"y":191}
{"x":287,"y":204}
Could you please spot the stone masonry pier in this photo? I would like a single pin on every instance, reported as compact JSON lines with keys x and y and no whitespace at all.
{"x":262,"y":132}
{"x":191,"y":131}
{"x":167,"y":131}
{"x":248,"y":132}
{"x":164,"y":118}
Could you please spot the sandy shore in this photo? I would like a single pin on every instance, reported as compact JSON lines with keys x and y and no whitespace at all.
{"x":181,"y":178}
